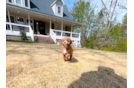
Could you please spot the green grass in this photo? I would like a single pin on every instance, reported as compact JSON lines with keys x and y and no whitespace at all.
{"x":38,"y":47}
{"x":91,"y":51}
{"x":20,"y":69}
{"x":26,"y":51}
{"x":19,"y":39}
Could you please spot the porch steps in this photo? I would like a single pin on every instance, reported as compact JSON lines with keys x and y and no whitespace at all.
{"x":45,"y":40}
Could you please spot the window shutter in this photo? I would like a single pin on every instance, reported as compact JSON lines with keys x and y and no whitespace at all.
{"x":26,"y":3}
{"x":10,"y":1}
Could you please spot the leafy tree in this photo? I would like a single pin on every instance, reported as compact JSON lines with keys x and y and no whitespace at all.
{"x":84,"y":14}
{"x":99,"y":31}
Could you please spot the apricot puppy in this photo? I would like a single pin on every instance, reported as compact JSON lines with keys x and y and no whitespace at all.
{"x":67,"y":49}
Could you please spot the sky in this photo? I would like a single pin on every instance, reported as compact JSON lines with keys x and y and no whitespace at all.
{"x":98,"y":5}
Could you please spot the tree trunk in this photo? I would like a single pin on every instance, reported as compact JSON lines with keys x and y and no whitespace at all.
{"x":112,"y":13}
{"x":108,"y":14}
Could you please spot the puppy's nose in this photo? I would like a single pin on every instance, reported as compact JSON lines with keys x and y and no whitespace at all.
{"x":65,"y":42}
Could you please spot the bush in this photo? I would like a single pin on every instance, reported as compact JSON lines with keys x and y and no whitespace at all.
{"x":23,"y":36}
{"x":122,"y":45}
{"x":30,"y":40}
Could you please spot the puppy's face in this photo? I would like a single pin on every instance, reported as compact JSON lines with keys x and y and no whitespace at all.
{"x":66,"y":41}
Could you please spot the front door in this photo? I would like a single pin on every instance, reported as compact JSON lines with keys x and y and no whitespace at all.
{"x":42,"y":27}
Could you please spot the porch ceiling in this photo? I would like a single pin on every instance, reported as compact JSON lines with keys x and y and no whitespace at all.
{"x":38,"y":17}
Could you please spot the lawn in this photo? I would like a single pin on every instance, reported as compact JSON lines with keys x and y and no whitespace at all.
{"x":31,"y":65}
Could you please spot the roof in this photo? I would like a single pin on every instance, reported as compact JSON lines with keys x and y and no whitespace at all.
{"x":44,"y":7}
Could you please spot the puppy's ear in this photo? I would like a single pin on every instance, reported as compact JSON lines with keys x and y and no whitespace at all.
{"x":70,"y":41}
{"x":62,"y":41}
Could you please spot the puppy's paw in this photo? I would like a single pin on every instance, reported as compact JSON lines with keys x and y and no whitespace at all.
{"x":68,"y":57}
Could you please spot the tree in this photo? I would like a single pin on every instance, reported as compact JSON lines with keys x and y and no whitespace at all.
{"x":110,"y":14}
{"x":100,"y":30}
{"x":82,"y":13}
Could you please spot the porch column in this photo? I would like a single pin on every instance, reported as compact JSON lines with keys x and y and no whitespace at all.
{"x":9,"y":20}
{"x":71,"y":30}
{"x":30,"y":29}
{"x":28,"y":3}
{"x":50,"y":24}
{"x":62,"y":28}
{"x":29,"y":19}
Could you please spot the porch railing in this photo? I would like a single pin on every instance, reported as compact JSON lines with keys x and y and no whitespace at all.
{"x":53,"y":35}
{"x":58,"y":34}
{"x":66,"y":33}
{"x":14,"y":29}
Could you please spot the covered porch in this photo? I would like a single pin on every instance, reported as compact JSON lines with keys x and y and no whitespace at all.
{"x":35,"y":24}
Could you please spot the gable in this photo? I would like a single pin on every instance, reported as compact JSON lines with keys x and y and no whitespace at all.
{"x":57,"y":8}
{"x":59,"y":2}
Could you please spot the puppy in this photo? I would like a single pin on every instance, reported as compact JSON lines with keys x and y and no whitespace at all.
{"x":67,"y":49}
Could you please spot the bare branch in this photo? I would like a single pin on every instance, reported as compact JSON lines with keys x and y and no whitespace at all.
{"x":123,"y":7}
{"x":95,"y":5}
{"x":104,"y":5}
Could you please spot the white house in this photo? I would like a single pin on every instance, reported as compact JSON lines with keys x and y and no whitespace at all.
{"x":41,"y":20}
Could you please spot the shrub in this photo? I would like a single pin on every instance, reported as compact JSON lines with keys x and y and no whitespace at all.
{"x":30,"y":40}
{"x":23,"y":36}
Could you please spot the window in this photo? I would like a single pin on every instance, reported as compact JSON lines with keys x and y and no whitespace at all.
{"x":65,"y":28}
{"x":7,"y":18}
{"x":13,"y":1}
{"x":7,"y":27}
{"x":11,"y":18}
{"x":59,"y":9}
{"x":31,"y":23}
{"x":10,"y":1}
{"x":20,"y":21}
{"x":56,"y":26}
{"x":52,"y":26}
{"x":18,"y":1}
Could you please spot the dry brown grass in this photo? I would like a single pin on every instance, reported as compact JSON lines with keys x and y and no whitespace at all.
{"x":42,"y":66}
